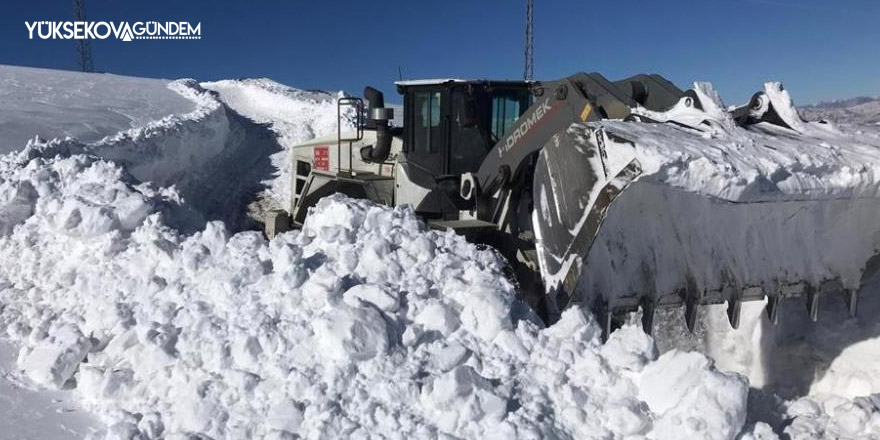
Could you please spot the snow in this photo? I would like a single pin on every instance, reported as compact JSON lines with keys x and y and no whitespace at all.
{"x":29,"y":414}
{"x":827,"y":369}
{"x":217,"y":160}
{"x":53,"y":360}
{"x":856,"y":111}
{"x":730,"y":208}
{"x":834,"y":417}
{"x":213,"y":333}
{"x":88,"y":107}
{"x":126,"y":277}
{"x":762,"y":163}
{"x":679,"y":385}
{"x":294,"y":115}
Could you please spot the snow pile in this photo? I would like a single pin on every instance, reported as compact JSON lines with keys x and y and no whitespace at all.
{"x":32,"y":413}
{"x":218,"y":160}
{"x":293,"y":115}
{"x":364,"y":323}
{"x":678,"y":385}
{"x":833,"y":417}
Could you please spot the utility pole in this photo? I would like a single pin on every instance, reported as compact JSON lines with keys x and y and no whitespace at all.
{"x":83,"y":47}
{"x":529,"y":73}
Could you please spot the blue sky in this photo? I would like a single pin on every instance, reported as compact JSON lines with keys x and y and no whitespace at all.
{"x":820,"y":49}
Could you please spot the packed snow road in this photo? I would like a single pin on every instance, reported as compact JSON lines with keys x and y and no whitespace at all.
{"x":127,"y":278}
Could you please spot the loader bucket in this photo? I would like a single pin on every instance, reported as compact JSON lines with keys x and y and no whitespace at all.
{"x":631,"y":215}
{"x":703,"y":208}
{"x":576,"y":179}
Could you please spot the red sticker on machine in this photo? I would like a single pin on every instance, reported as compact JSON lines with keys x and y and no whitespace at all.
{"x":321,"y":161}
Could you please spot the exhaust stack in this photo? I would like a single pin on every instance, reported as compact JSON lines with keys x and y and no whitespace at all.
{"x":379,"y":117}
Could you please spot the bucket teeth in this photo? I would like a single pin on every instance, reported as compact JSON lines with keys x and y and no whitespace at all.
{"x":851,"y":296}
{"x":690,"y":312}
{"x":606,"y":323}
{"x":773,"y":308}
{"x":734,"y":308}
{"x":648,"y":316}
{"x":692,"y":299}
{"x":604,"y":316}
{"x":813,"y":304}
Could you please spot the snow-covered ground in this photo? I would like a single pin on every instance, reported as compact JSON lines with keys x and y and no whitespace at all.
{"x":126,"y":284}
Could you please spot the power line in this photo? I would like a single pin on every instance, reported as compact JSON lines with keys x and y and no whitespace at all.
{"x":83,"y":46}
{"x":528,"y":73}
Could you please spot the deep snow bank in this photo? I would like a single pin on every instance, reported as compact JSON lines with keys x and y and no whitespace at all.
{"x":215,"y":158}
{"x":84,"y":106}
{"x":218,"y":160}
{"x":363,"y":323}
{"x":293,"y":115}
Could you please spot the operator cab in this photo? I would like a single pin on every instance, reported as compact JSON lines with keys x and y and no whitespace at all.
{"x":449,"y":127}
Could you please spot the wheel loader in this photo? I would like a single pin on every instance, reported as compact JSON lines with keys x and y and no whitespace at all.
{"x":549,"y":173}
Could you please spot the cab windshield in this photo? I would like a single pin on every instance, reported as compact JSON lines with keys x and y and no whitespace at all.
{"x":480,"y":118}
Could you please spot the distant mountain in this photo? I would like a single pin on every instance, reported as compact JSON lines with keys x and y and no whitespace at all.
{"x":860,"y":110}
{"x":841,"y":103}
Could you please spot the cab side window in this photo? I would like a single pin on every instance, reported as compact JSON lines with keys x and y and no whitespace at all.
{"x":505,"y":111}
{"x":426,"y":130}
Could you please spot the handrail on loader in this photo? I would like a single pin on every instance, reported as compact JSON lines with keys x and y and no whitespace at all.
{"x":358,"y":105}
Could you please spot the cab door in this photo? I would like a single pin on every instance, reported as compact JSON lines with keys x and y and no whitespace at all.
{"x":427,"y":131}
